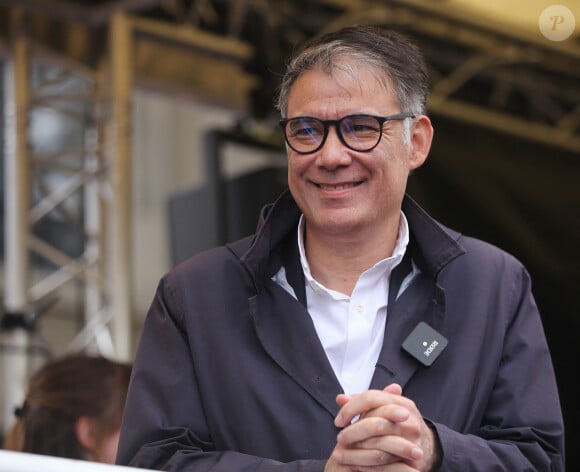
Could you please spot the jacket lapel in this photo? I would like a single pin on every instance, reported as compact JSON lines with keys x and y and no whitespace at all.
{"x":282,"y":323}
{"x":286,"y":330}
{"x":431,"y":247}
{"x":422,"y":301}
{"x":287,"y":333}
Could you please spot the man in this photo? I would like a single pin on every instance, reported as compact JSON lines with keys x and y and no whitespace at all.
{"x":352,"y":332}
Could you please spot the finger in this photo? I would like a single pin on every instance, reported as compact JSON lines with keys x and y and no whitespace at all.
{"x":387,"y":451}
{"x":396,"y":446}
{"x":394,"y":389}
{"x":394,"y":467}
{"x":363,"y":429}
{"x":370,"y":400}
{"x":391,"y":412}
{"x":371,"y":427}
{"x":408,"y":425}
{"x":357,"y":458}
{"x":342,"y":399}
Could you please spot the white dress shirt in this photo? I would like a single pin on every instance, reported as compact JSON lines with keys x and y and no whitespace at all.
{"x":351,"y":329}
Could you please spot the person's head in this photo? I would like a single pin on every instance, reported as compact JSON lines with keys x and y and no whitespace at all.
{"x":73,"y":408}
{"x":351,"y":175}
{"x":397,"y":62}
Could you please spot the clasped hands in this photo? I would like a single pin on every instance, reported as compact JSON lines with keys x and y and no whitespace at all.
{"x":389,"y":435}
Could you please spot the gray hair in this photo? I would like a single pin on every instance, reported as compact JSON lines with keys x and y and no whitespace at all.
{"x":388,"y":52}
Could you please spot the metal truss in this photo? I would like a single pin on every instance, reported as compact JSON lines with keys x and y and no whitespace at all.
{"x":83,"y":184}
{"x":72,"y":173}
{"x":88,"y":184}
{"x":483,"y":73}
{"x":47,"y":182}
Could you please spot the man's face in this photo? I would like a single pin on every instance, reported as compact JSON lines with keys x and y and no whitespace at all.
{"x":341,"y":191}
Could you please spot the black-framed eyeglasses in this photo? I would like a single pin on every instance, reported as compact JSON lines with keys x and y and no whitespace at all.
{"x":306,"y":134}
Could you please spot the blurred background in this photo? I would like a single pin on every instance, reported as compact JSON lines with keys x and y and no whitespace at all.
{"x":136,"y":133}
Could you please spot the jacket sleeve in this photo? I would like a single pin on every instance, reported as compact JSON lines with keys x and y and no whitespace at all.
{"x":522,"y":428}
{"x":164,"y":426}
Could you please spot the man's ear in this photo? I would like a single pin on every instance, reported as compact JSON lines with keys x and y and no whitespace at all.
{"x":421,"y":138}
{"x":86,"y":431}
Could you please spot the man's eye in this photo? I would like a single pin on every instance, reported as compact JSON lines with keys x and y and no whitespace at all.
{"x":361,"y":126}
{"x":305,"y":130}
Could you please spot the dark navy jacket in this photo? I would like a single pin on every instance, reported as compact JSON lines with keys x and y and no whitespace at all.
{"x":230,"y":375}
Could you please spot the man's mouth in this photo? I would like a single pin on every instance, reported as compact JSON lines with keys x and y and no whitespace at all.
{"x":339,"y":186}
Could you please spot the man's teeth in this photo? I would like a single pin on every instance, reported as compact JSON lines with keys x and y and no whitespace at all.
{"x":337,"y":187}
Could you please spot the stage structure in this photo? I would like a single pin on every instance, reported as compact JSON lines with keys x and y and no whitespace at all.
{"x":84,"y":74}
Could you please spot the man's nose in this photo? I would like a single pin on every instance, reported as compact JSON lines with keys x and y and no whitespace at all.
{"x":333,"y":153}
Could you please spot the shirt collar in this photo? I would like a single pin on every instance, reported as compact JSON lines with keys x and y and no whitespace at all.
{"x":383,"y":265}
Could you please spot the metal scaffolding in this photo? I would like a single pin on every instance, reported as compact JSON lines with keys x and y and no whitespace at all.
{"x":104,"y":52}
{"x":94,"y":172}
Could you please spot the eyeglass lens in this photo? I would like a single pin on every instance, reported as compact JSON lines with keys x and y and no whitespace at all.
{"x":359,"y":132}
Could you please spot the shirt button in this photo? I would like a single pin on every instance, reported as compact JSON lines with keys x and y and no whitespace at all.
{"x":360,"y":309}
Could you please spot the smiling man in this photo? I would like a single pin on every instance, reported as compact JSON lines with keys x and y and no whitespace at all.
{"x":352,"y":332}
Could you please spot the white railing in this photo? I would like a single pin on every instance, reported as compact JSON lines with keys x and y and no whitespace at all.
{"x":24,"y":462}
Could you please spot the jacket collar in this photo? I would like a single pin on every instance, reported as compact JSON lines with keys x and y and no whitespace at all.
{"x":276,"y":223}
{"x":275,"y":244}
{"x":434,"y":244}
